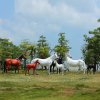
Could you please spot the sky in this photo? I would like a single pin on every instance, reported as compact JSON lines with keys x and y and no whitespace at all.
{"x":28,"y":19}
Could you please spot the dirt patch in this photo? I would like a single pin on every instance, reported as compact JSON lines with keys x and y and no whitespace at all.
{"x":71,"y":91}
{"x":67,"y":92}
{"x":88,"y":90}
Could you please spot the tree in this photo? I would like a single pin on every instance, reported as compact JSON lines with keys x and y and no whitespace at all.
{"x":91,"y":50}
{"x":43,"y":47}
{"x":8,"y":49}
{"x":62,"y":46}
{"x":28,"y":48}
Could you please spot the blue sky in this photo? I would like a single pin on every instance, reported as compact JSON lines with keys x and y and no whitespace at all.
{"x":28,"y":19}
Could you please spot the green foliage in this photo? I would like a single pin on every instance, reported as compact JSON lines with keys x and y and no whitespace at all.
{"x":91,"y":49}
{"x":8,"y":49}
{"x":62,"y":46}
{"x":28,"y":48}
{"x":43,"y":47}
{"x":98,"y":20}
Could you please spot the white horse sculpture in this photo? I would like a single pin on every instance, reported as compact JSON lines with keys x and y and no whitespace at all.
{"x":60,"y":66}
{"x":46,"y":62}
{"x":76,"y":63}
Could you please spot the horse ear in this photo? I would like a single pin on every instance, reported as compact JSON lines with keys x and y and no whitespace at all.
{"x":55,"y":53}
{"x":37,"y":60}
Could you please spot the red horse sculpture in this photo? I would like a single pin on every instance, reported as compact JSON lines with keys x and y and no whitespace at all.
{"x":16,"y":63}
{"x":33,"y":66}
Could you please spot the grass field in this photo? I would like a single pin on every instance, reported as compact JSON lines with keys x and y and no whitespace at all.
{"x":71,"y":86}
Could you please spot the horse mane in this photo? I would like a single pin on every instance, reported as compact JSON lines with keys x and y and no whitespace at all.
{"x":68,"y":58}
{"x":21,"y":56}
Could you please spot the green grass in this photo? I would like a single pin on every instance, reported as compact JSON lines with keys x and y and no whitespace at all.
{"x":71,"y":86}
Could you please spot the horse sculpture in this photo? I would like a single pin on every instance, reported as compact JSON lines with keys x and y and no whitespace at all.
{"x":16,"y":63}
{"x":53,"y":65}
{"x":60,"y":67}
{"x":76,"y":63}
{"x":32,"y":65}
{"x":46,"y":62}
{"x":91,"y":67}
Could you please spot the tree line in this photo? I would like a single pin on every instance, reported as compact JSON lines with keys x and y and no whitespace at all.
{"x":90,"y":50}
{"x":30,"y":50}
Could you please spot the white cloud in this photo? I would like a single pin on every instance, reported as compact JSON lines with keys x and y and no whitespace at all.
{"x":32,"y":7}
{"x":61,"y":13}
{"x":44,"y":16}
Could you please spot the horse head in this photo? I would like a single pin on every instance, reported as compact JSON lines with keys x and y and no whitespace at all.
{"x":21,"y":56}
{"x":68,"y":56}
{"x":55,"y":56}
{"x":37,"y":62}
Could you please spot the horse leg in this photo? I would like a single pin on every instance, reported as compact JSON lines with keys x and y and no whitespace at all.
{"x":18,"y":68}
{"x":94,"y":70}
{"x":33,"y":71}
{"x":68,"y":68}
{"x":45,"y":67}
{"x":62,"y":71}
{"x":90,"y":70}
{"x":42,"y":67}
{"x":84,"y":71}
{"x":28,"y":71}
{"x":25,"y":71}
{"x":5,"y":66}
{"x":15,"y":69}
{"x":87,"y":70}
{"x":6,"y":69}
{"x":53,"y":68}
{"x":79,"y":68}
{"x":58,"y":71}
{"x":49,"y":69}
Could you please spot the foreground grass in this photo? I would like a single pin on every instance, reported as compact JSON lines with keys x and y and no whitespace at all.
{"x":71,"y":86}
